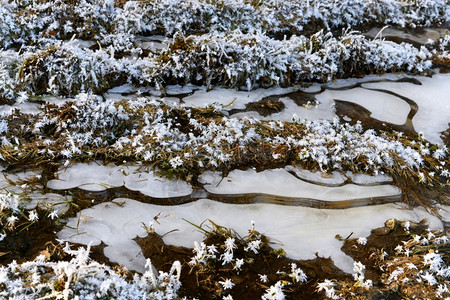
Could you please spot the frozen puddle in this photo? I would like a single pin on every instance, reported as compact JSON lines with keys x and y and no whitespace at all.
{"x":433,"y":100}
{"x":237,"y":99}
{"x":380,"y":95}
{"x":384,"y":107}
{"x":301,"y":231}
{"x":279,"y":182}
{"x":337,"y":178}
{"x":286,"y":186}
{"x":95,"y":177}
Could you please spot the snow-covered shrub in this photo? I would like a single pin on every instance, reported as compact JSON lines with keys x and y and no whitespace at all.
{"x":27,"y":22}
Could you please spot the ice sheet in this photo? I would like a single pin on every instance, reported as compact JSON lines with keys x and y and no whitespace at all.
{"x":226,"y":96}
{"x":96,"y":177}
{"x":433,"y":100}
{"x":302,"y":231}
{"x":383,"y":107}
{"x":280,"y":182}
{"x":333,"y":179}
{"x":49,"y":201}
{"x":423,"y":37}
{"x":25,"y":107}
{"x":11,"y":182}
{"x":365,"y":179}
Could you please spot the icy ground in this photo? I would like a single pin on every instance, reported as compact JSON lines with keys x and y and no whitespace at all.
{"x":301,"y":231}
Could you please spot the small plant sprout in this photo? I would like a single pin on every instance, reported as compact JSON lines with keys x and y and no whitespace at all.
{"x":33,"y":216}
{"x":230,"y":244}
{"x":238,"y":264}
{"x":253,"y":246}
{"x":54,"y":215}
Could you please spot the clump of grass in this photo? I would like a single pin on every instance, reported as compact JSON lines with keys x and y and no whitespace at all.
{"x":231,"y":59}
{"x":224,"y":255}
{"x":62,"y":69}
{"x":27,"y":22}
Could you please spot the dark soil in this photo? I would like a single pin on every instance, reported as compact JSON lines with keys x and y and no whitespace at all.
{"x":24,"y":245}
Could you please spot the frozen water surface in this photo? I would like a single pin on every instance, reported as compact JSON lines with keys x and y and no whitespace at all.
{"x":333,"y":179}
{"x":25,"y":107}
{"x":432,"y":98}
{"x":301,"y":231}
{"x":227,"y":96}
{"x":49,"y":201}
{"x":96,"y":177}
{"x":383,"y":107}
{"x":280,"y":182}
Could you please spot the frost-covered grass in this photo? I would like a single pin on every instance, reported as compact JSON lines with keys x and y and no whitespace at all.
{"x":17,"y":215}
{"x":81,"y":278}
{"x":416,"y":268}
{"x":233,"y":59}
{"x":65,"y":69}
{"x":13,"y":216}
{"x":185,"y":142}
{"x":28,"y":22}
{"x":233,"y":43}
{"x":224,"y":249}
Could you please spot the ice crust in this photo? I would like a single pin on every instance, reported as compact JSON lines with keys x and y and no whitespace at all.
{"x":433,"y":100}
{"x":95,"y":177}
{"x":224,"y":96}
{"x":301,"y":231}
{"x":10,"y":181}
{"x":383,"y":107}
{"x":280,"y":182}
{"x":49,"y":201}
